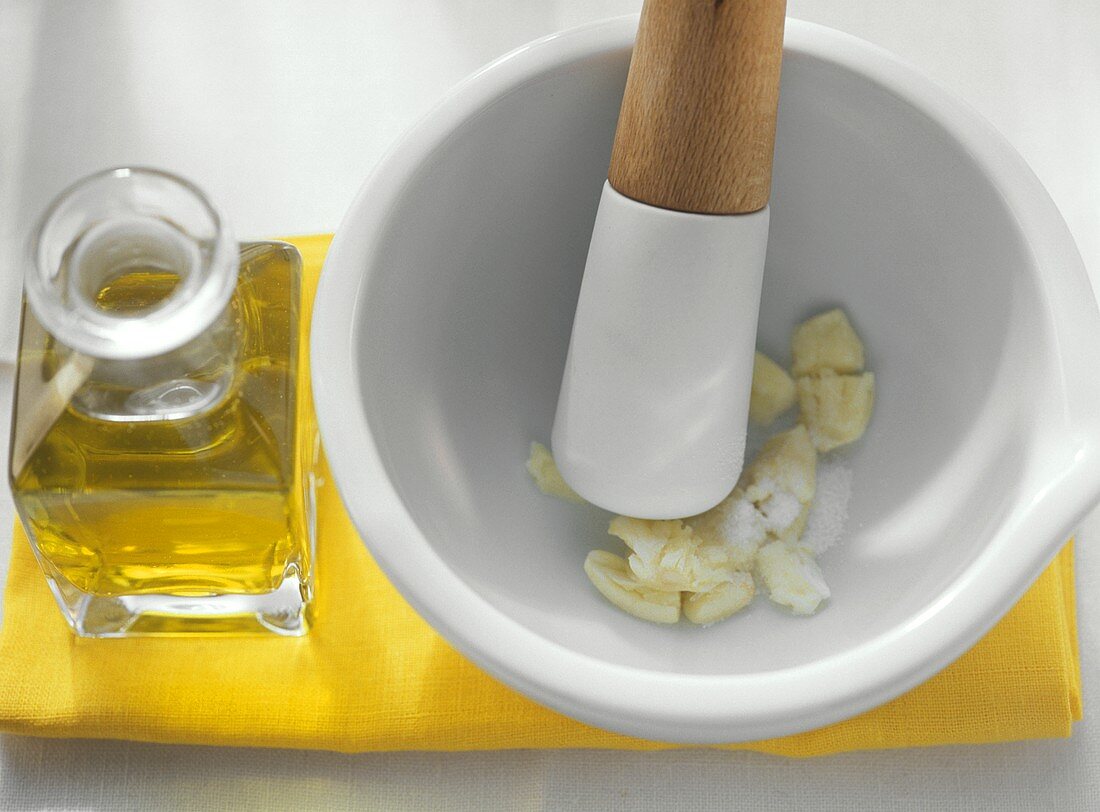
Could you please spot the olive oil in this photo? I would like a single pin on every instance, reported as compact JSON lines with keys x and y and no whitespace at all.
{"x":136,"y":289}
{"x":173,"y":494}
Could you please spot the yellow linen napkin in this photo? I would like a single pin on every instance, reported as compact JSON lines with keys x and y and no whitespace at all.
{"x":371,"y":675}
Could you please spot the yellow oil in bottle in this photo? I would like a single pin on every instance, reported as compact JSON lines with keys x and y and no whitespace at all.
{"x":170,"y":520}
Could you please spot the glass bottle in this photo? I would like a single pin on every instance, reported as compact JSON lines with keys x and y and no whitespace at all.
{"x":162,"y":439}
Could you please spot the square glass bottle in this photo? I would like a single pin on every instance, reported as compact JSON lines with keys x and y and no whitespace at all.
{"x":163,"y":446}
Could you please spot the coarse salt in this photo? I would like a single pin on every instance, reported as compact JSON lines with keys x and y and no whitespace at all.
{"x":829,"y":511}
{"x":780,"y":510}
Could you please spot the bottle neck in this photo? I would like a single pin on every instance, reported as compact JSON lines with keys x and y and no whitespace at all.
{"x":131,"y":264}
{"x":134,"y":271}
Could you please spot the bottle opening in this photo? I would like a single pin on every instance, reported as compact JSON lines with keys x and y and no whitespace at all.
{"x":130,"y":267}
{"x":131,"y":263}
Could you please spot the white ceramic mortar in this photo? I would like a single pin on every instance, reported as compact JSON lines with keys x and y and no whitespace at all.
{"x":442,"y":323}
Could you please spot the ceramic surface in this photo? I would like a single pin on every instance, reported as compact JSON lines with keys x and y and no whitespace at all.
{"x":442,"y":324}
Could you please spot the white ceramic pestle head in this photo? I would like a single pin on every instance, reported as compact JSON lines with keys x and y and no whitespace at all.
{"x":654,"y":402}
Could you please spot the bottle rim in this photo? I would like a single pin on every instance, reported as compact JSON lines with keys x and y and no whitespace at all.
{"x":182,"y":316}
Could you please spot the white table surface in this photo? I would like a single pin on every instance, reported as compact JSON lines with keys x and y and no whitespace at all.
{"x":279,"y":109}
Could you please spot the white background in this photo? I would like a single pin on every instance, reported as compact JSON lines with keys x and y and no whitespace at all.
{"x":280,"y":109}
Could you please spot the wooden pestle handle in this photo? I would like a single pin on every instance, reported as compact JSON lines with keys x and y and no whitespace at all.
{"x":697,"y":126}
